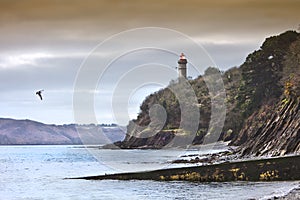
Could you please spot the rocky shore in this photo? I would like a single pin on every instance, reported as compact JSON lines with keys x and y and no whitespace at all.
{"x":292,"y":195}
{"x":271,"y":169}
{"x":262,"y":122}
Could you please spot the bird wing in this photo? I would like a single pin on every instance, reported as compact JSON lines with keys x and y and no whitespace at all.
{"x":40,"y":96}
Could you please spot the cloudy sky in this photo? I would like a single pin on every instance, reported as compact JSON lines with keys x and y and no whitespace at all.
{"x":45,"y":43}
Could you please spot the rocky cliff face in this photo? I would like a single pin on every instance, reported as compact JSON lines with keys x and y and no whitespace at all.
{"x":271,"y":131}
{"x":262,"y":100}
{"x":30,"y":132}
{"x":274,"y":129}
{"x":157,"y":141}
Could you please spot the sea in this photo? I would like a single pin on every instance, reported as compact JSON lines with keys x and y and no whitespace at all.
{"x":41,"y":172}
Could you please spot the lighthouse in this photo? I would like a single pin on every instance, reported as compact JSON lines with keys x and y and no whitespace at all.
{"x":182,"y":66}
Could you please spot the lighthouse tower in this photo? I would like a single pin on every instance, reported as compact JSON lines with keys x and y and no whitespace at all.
{"x":182,"y":66}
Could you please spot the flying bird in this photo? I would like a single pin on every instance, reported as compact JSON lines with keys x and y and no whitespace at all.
{"x":39,"y":93}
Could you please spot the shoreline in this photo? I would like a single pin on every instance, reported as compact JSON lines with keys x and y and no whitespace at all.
{"x":293,"y":194}
{"x":270,"y":169}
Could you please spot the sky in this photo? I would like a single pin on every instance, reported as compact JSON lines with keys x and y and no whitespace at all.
{"x":46,"y":44}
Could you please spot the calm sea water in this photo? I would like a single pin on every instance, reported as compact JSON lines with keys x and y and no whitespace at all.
{"x":38,"y":172}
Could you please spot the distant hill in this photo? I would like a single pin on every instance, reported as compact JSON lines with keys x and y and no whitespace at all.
{"x":262,"y":103}
{"x":16,"y":132}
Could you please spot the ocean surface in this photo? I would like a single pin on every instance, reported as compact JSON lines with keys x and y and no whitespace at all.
{"x":39,"y":172}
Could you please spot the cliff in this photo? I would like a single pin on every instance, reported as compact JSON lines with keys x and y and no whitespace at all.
{"x":262,"y":104}
{"x":16,"y":132}
{"x":274,"y":128}
{"x":274,"y":135}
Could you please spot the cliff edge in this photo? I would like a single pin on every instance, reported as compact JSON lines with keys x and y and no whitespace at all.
{"x":262,"y":103}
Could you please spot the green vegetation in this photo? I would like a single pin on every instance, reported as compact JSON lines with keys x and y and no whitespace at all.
{"x":269,"y":75}
{"x":262,"y":72}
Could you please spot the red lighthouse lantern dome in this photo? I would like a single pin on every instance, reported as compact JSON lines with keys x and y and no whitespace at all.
{"x":182,"y":56}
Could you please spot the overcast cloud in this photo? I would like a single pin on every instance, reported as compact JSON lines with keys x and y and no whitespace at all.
{"x":44,"y":42}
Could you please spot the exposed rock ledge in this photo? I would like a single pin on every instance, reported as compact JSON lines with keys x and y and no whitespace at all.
{"x":274,"y":169}
{"x":274,"y":135}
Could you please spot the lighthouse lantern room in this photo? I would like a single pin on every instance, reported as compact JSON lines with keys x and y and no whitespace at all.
{"x":182,"y":66}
